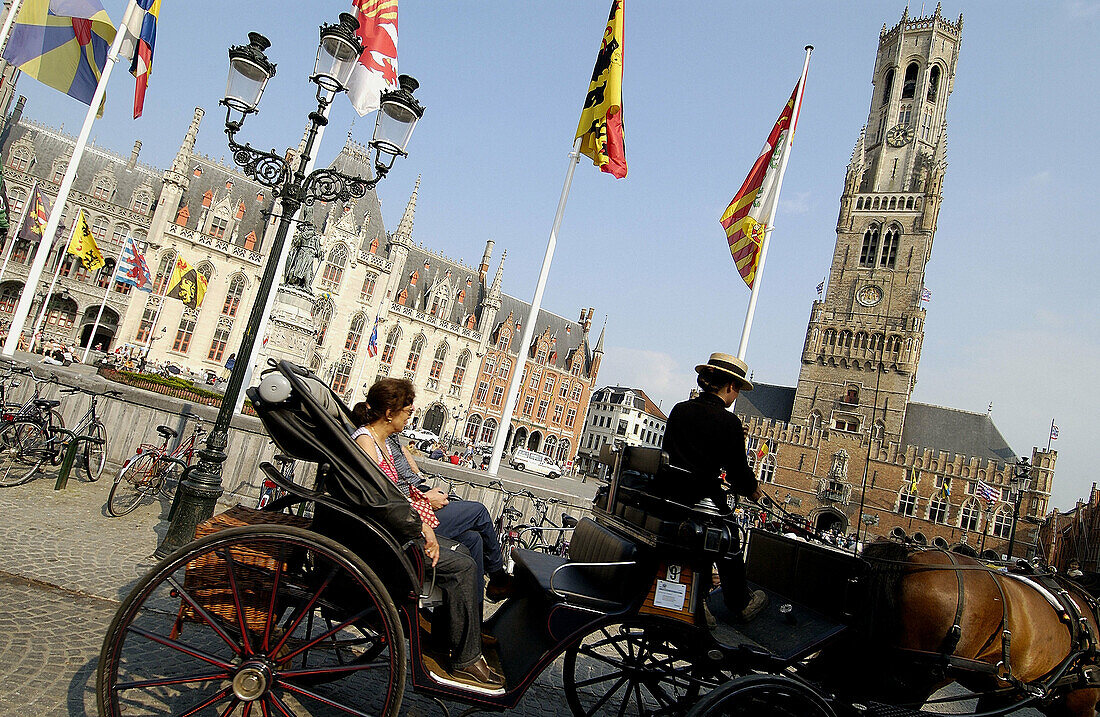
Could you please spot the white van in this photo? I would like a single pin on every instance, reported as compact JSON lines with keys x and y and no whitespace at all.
{"x":524,"y":460}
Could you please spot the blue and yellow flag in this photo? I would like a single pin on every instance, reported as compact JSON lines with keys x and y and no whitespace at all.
{"x":63,"y":44}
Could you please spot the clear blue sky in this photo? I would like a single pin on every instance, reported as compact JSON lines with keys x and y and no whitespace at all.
{"x":1013,"y":319}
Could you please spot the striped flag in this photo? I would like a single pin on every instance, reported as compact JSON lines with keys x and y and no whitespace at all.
{"x":1053,"y":432}
{"x":745,"y":219}
{"x":372,"y":344}
{"x":377,"y":68}
{"x":132,"y":268}
{"x":987,"y":492}
{"x":821,"y":287}
{"x":601,"y":130}
{"x":141,"y":24}
{"x":925,"y":294}
{"x":62,"y":43}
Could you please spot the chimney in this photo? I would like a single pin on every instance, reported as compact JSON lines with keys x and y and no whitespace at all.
{"x":484,"y":268}
{"x":134,"y":155}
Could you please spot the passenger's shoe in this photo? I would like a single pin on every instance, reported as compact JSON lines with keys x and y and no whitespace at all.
{"x":501,"y":586}
{"x":479,"y":675}
{"x":757,"y":602}
{"x":709,"y":617}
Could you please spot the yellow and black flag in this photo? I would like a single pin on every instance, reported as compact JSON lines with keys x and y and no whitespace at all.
{"x":83,"y":245}
{"x":601,"y":127}
{"x":186,"y":284}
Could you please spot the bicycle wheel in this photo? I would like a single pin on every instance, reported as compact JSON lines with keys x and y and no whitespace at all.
{"x":138,"y":480}
{"x":24,"y":447}
{"x":95,"y":454}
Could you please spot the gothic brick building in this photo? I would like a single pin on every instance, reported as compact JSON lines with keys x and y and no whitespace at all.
{"x":847,"y":440}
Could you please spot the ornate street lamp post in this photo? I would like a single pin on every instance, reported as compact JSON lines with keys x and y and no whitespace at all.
{"x":249,"y":72}
{"x":1018,"y":484}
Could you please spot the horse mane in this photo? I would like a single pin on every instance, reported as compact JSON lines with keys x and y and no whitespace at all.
{"x":887,"y":561}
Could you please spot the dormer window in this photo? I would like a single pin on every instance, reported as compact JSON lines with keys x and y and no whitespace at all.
{"x":102,"y":189}
{"x":218,"y":227}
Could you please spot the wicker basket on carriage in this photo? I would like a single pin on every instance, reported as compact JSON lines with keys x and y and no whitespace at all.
{"x":207,"y":579}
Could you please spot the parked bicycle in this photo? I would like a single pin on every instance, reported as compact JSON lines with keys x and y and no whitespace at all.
{"x":35,"y":437}
{"x":152,"y":470}
{"x":543,"y":534}
{"x":506,"y":522}
{"x":270,"y":492}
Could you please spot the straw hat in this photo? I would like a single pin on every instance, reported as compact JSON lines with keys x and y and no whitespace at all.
{"x":731,"y":365}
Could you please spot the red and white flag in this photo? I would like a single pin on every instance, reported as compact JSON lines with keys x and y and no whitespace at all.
{"x":377,"y":68}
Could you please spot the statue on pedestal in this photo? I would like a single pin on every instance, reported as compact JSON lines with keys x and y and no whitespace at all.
{"x":305,"y":252}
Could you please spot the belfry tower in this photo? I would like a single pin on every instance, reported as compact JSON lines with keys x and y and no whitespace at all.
{"x":863,"y":342}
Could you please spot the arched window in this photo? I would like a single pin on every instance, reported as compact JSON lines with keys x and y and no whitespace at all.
{"x":488,"y":430}
{"x":439,"y":301}
{"x":876,"y":202}
{"x":99,"y":228}
{"x":893,"y":202}
{"x":505,"y":367}
{"x":767,"y":469}
{"x":164,"y":271}
{"x":869,"y":252}
{"x":437,"y":361}
{"x":334,"y":266}
{"x":322,"y":314}
{"x":1002,"y":523}
{"x":889,"y":255}
{"x":17,"y":197}
{"x":391,"y":345}
{"x":887,"y":86}
{"x":20,"y":158}
{"x":815,"y":421}
{"x":969,"y":515}
{"x":473,"y":427}
{"x":142,"y":201}
{"x":206,"y":269}
{"x":460,"y":369}
{"x":933,"y":83}
{"x":938,"y":509}
{"x":340,"y":376}
{"x":503,"y":340}
{"x":549,"y":445}
{"x":119,"y":234}
{"x":9,"y":297}
{"x":414,"y":354}
{"x":103,"y":188}
{"x":106,"y":273}
{"x":233,"y":296}
{"x":355,"y":333}
{"x":564,"y":449}
{"x":859,"y":203}
{"x":368,"y":287}
{"x":907,"y":501}
{"x":909,"y":87}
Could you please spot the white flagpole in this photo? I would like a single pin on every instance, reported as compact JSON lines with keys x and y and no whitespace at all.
{"x":758,"y":275}
{"x":19,"y":319}
{"x":110,"y":285}
{"x":163,"y":297}
{"x":269,"y":300}
{"x":49,"y":292}
{"x":14,"y":236}
{"x":532,"y":317}
{"x":9,"y":23}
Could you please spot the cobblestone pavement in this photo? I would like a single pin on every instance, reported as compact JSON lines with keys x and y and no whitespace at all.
{"x":65,"y":567}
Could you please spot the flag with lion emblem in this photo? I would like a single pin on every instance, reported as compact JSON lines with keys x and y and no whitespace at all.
{"x":186,"y":284}
{"x":83,"y":245}
{"x":601,"y":130}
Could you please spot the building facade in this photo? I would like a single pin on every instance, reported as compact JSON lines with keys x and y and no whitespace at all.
{"x":618,"y":416}
{"x":847,"y":444}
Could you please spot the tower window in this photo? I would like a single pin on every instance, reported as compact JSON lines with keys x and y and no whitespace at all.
{"x":887,"y":86}
{"x":851,"y":397}
{"x":905,"y":115}
{"x":889,"y":249}
{"x":909,"y":87}
{"x":933,"y":83}
{"x":870,"y":247}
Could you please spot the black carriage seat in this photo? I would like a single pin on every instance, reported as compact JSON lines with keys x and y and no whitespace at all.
{"x":585,"y":578}
{"x":308,"y":422}
{"x":167,"y":432}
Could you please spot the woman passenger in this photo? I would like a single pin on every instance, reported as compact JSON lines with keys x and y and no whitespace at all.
{"x":389,"y":405}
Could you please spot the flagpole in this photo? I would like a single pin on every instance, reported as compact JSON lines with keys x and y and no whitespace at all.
{"x":49,"y":292}
{"x":363,"y":366}
{"x":269,"y":300}
{"x":14,"y":236}
{"x":19,"y":319}
{"x":1050,"y":436}
{"x":532,"y":316}
{"x":742,"y":349}
{"x":110,"y":285}
{"x":163,"y":295}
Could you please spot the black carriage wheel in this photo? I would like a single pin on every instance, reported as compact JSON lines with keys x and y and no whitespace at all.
{"x":138,"y":481}
{"x":636,"y":667}
{"x":24,"y":447}
{"x":258,"y":620}
{"x":762,"y":696}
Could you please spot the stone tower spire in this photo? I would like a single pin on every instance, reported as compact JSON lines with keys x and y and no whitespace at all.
{"x":400,"y":243}
{"x":864,"y":338}
{"x":498,"y":280}
{"x":405,"y":226}
{"x":182,"y":163}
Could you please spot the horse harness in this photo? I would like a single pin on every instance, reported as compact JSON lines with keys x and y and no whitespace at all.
{"x":1083,"y":641}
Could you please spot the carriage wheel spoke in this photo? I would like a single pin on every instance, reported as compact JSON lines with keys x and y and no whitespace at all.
{"x":324,"y":700}
{"x":271,"y":605}
{"x":247,"y":709}
{"x":242,"y":624}
{"x":604,"y":659}
{"x":606,"y":697}
{"x":185,"y":649}
{"x":335,"y":670}
{"x":307,"y":609}
{"x":626,"y":699}
{"x":613,"y":641}
{"x":283,"y":709}
{"x":233,"y":705}
{"x":595,"y":680}
{"x":205,"y":615}
{"x":171,"y":681}
{"x":207,"y":702}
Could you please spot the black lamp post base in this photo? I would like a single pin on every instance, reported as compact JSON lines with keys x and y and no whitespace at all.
{"x":197,"y":496}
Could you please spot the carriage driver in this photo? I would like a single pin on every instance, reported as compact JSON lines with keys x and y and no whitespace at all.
{"x":705,"y":438}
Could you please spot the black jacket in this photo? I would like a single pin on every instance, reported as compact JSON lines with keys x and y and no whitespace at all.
{"x":704,"y":438}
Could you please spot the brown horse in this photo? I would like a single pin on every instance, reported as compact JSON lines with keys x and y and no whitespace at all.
{"x":910,"y":649}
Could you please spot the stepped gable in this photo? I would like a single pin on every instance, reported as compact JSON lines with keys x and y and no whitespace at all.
{"x":955,"y":431}
{"x":354,"y":161}
{"x":766,"y":400}
{"x":50,"y":145}
{"x":206,"y":175}
{"x":568,"y":342}
{"x":430,"y":279}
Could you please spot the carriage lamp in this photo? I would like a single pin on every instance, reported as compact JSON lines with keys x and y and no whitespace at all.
{"x":292,"y":186}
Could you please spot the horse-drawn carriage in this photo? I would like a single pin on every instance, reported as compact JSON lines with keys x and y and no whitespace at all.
{"x":272,"y":614}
